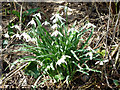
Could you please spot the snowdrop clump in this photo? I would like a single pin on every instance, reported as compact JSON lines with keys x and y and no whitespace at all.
{"x":57,"y":51}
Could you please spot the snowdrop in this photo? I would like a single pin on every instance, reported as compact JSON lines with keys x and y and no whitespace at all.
{"x":6,"y":35}
{"x":62,"y":60}
{"x":37,"y":14}
{"x":102,"y":62}
{"x":26,"y":37}
{"x":55,"y":33}
{"x":50,"y":66}
{"x":89,"y":25}
{"x":32,"y":22}
{"x":16,"y":26}
{"x":65,"y":8}
{"x":57,"y":17}
{"x":90,"y":54}
{"x":55,"y":26}
{"x":89,"y":48}
{"x":72,"y":30}
{"x":47,"y":68}
{"x":45,"y":23}
{"x":33,"y":40}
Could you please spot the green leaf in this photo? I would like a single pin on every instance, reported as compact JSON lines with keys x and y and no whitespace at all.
{"x":59,"y":77}
{"x":88,"y":38}
{"x":32,"y":70}
{"x":74,"y":55}
{"x":16,"y":13}
{"x":30,"y":11}
{"x":116,"y":82}
{"x":5,"y":42}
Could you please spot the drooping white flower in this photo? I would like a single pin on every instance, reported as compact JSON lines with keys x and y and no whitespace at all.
{"x":89,"y":48}
{"x":37,"y":14}
{"x":16,"y":26}
{"x":55,"y":33}
{"x":47,"y":68}
{"x":62,"y":60}
{"x":55,"y":26}
{"x":65,"y":8}
{"x":45,"y":23}
{"x":33,"y":40}
{"x":102,"y":62}
{"x":72,"y":30}
{"x":89,"y":25}
{"x":57,"y":17}
{"x":90,"y":54}
{"x":6,"y":35}
{"x":32,"y":22}
{"x":26,"y":37}
{"x":50,"y":66}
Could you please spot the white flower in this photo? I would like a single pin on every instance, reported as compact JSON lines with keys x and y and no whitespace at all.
{"x":33,"y":40}
{"x":0,"y":27}
{"x":72,"y":30}
{"x":89,"y":25}
{"x":6,"y":35}
{"x":90,"y":54}
{"x":32,"y":22}
{"x":89,"y":48}
{"x":26,"y":37}
{"x":102,"y":62}
{"x":62,"y":60}
{"x":57,"y":17}
{"x":50,"y":66}
{"x":16,"y":26}
{"x":45,"y":23}
{"x":55,"y":26}
{"x":47,"y":68}
{"x":65,"y":8}
{"x":37,"y":14}
{"x":55,"y":33}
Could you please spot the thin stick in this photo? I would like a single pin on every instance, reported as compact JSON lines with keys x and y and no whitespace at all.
{"x":20,"y":18}
{"x":116,"y":26}
{"x":14,"y":72}
{"x":106,"y":47}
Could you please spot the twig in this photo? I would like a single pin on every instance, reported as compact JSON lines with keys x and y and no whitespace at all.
{"x":13,"y":72}
{"x":21,"y":18}
{"x":116,"y":26}
{"x":116,"y":49}
{"x":106,"y":46}
{"x":98,"y":12}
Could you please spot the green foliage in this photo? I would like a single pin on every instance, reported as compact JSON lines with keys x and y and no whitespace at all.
{"x":25,"y":13}
{"x":56,"y":54}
